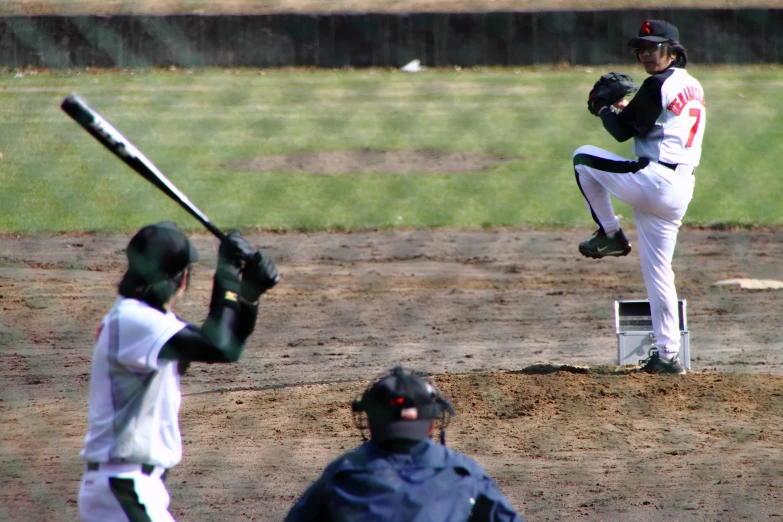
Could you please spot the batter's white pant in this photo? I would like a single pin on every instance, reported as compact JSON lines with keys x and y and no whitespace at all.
{"x":122,"y":492}
{"x":659,"y":197}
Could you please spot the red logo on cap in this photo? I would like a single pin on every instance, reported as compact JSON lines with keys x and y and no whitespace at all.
{"x":646,"y":28}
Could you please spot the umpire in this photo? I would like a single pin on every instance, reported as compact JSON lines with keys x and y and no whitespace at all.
{"x":400,"y":474}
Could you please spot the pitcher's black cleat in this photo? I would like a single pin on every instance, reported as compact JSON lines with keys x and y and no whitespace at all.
{"x":654,"y":364}
{"x":601,"y":245}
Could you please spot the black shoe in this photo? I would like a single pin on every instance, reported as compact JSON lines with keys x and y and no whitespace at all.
{"x":654,"y":364}
{"x":602,"y":245}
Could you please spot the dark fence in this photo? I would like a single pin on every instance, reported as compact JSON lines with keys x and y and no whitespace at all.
{"x":381,"y":40}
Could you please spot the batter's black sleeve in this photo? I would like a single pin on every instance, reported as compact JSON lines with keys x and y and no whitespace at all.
{"x":220,"y":339}
{"x":641,"y":113}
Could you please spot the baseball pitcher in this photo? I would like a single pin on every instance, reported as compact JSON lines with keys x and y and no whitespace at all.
{"x":666,"y":119}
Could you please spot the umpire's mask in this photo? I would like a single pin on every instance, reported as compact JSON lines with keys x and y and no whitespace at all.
{"x":402,"y":406}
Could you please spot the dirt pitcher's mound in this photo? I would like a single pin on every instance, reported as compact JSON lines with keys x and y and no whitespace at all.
{"x":373,"y":161}
{"x":562,"y":445}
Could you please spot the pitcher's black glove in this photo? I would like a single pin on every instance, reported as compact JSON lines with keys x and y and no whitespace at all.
{"x":608,"y":90}
{"x":259,"y":276}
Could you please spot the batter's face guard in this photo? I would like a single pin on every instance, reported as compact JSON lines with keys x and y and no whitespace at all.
{"x":402,"y":405}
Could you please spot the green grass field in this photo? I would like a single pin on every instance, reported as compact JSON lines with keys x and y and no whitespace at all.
{"x":192,"y":124}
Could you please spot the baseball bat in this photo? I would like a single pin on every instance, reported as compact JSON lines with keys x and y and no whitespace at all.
{"x":108,"y":136}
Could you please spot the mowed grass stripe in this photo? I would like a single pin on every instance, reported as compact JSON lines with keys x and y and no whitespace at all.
{"x":195,"y":124}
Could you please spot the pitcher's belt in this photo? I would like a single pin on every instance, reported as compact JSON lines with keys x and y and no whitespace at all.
{"x":674,"y":166}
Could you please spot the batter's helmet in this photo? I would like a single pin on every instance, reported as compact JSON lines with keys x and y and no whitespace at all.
{"x":157,"y":258}
{"x":159,"y":252}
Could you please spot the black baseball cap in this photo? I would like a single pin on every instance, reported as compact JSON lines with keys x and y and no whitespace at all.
{"x":402,"y":406}
{"x":160,"y":251}
{"x":655,"y":31}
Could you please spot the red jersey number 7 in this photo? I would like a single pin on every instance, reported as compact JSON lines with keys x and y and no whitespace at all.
{"x":695,"y":113}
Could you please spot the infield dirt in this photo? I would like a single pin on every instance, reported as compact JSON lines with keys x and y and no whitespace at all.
{"x":475,"y":308}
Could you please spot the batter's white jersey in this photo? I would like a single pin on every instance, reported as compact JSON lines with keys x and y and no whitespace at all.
{"x":134,"y":397}
{"x":678,"y":132}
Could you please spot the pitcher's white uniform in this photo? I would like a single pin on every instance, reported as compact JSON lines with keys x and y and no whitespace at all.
{"x":658,"y":184}
{"x":133,"y":433}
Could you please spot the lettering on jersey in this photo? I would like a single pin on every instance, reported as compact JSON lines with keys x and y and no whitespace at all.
{"x":688,"y":94}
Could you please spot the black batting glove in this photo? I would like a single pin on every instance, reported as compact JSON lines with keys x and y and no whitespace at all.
{"x":233,"y":253}
{"x":260,"y":275}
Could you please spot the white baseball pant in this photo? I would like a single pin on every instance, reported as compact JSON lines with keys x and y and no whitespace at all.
{"x":124,"y":491}
{"x":659,"y":197}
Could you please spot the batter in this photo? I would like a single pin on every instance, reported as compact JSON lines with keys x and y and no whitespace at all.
{"x":142,"y":348}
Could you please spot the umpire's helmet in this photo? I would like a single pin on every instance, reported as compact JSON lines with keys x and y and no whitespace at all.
{"x":402,"y":406}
